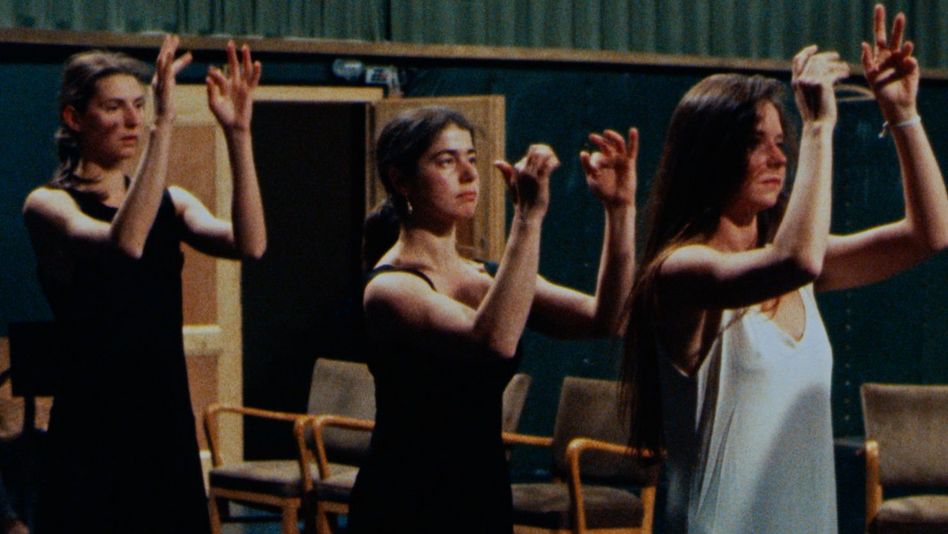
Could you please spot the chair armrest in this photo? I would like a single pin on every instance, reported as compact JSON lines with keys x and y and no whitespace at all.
{"x":321,"y":422}
{"x":513,"y":438}
{"x":575,"y":449}
{"x":211,"y":428}
{"x":873,"y":484}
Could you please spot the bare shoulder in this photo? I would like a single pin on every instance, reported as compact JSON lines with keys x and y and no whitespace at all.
{"x":687,"y":259}
{"x":394,"y":290}
{"x":48,"y":205}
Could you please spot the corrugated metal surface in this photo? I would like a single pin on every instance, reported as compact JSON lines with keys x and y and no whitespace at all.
{"x":772,"y":29}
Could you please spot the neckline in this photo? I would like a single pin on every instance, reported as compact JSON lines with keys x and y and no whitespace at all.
{"x":783,"y":331}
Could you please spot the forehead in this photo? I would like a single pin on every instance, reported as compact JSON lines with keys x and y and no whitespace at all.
{"x":452,"y":138}
{"x":768,"y":118}
{"x":121,"y":86}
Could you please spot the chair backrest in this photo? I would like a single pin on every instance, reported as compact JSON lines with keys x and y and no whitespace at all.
{"x":590,"y":408}
{"x":515,"y":395}
{"x":910,"y":423}
{"x":347,"y":389}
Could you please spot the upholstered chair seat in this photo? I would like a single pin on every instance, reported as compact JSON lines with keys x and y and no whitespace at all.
{"x":918,"y":514}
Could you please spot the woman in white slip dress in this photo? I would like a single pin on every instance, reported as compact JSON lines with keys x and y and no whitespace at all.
{"x":728,"y":365}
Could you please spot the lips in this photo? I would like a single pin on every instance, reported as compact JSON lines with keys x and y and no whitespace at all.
{"x":470,"y":195}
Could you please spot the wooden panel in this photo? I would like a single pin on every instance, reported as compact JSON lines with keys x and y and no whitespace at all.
{"x":484,"y":236}
{"x":193,"y":168}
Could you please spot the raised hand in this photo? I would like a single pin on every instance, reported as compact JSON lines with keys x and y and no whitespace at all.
{"x":163,"y":82}
{"x":890,"y":68}
{"x":814,"y":74}
{"x":230,"y":92}
{"x":529,"y":180}
{"x":610,"y":171}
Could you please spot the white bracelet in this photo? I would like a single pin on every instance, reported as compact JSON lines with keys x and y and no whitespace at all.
{"x":917,"y":119}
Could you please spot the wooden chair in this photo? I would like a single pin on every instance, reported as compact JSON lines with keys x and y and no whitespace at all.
{"x":336,"y":387}
{"x":333,"y":487}
{"x":593,"y":467}
{"x":906,"y":447}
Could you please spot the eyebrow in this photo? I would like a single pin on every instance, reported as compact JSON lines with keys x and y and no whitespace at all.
{"x":453,"y":152}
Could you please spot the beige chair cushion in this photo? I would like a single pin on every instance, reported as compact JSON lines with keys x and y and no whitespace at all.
{"x":273,"y":477}
{"x":546,"y":505}
{"x":921,"y":514}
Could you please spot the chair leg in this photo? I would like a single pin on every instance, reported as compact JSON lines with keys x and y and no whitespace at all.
{"x":290,"y":520}
{"x":214,"y":512}
{"x":322,"y":520}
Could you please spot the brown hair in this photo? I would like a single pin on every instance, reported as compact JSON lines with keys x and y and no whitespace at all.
{"x":703,"y":165}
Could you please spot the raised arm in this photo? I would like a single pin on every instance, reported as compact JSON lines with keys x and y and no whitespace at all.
{"x":611,"y":176}
{"x":700,"y":276}
{"x":883,"y":251}
{"x":230,"y":98}
{"x":52,"y":215}
{"x":403,"y":303}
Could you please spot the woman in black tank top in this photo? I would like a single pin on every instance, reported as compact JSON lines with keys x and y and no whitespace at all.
{"x":109,"y":260}
{"x":443,"y":330}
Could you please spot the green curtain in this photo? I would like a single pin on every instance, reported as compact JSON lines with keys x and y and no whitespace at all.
{"x":772,"y":29}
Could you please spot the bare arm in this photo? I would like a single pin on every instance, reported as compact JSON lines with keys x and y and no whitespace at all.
{"x":563,"y":312}
{"x":881,"y":252}
{"x":230,"y":97}
{"x":699,"y":276}
{"x":401,"y":304}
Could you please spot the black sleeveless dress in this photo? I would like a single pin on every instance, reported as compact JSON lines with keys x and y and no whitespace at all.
{"x":123,"y":449}
{"x":437,"y":461}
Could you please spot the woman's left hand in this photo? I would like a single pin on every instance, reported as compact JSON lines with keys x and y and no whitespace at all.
{"x":230,"y":92}
{"x":610,"y":171}
{"x":891,"y":70}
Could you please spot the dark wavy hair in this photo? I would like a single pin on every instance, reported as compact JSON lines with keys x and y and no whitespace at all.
{"x":398,"y":149}
{"x":703,"y":165}
{"x":80,"y":74}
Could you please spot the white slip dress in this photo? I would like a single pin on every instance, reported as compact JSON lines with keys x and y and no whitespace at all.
{"x":749,"y":435}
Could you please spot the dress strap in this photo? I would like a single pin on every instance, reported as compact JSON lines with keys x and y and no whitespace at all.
{"x":381,"y":269}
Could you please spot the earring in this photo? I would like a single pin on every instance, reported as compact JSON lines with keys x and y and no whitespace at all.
{"x":408,"y":208}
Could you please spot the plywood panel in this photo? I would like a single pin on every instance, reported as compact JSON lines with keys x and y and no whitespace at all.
{"x":194,"y":168}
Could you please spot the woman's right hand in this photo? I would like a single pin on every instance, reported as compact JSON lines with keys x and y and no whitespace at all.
{"x":529,"y":180}
{"x":163,"y":82}
{"x":814,"y":74}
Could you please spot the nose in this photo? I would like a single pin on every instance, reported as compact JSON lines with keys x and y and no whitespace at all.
{"x":133,"y":116}
{"x":776,"y":157}
{"x":468,"y":171}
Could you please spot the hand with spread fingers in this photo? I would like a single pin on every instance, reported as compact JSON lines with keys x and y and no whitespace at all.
{"x":529,"y":180}
{"x":814,"y":74}
{"x":230,"y":92}
{"x":610,"y":171}
{"x":890,"y":68}
{"x":167,"y":68}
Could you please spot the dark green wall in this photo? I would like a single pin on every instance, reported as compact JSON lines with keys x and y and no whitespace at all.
{"x":894,"y":331}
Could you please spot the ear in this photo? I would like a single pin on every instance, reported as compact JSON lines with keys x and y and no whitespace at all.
{"x":70,"y":117}
{"x":399,"y":184}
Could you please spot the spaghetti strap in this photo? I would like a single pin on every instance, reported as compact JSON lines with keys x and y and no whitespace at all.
{"x":381,"y":269}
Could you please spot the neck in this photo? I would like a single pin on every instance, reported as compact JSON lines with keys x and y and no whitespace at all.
{"x":106,"y":182}
{"x":735,"y":233}
{"x":427,"y":248}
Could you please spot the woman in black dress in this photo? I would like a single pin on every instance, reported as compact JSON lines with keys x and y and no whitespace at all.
{"x":124,"y":455}
{"x":443,"y":330}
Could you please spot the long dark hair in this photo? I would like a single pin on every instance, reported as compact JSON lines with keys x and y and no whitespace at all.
{"x":703,"y":165}
{"x":400,"y":145}
{"x":80,"y":74}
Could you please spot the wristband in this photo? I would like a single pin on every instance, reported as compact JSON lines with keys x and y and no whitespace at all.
{"x":917,"y":119}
